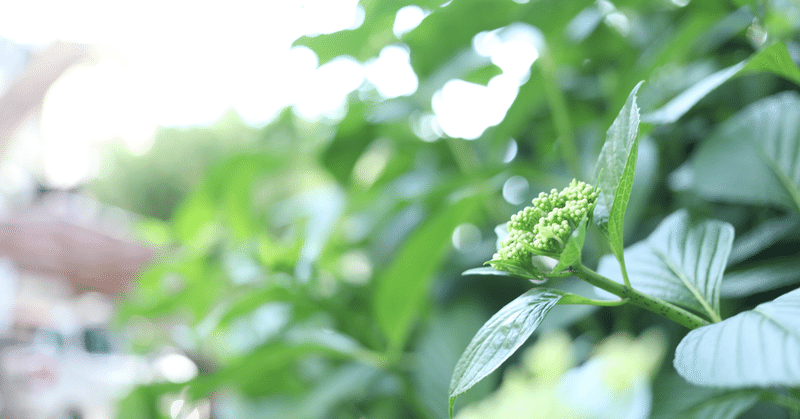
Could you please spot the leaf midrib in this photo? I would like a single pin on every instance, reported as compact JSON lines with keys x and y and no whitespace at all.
{"x":688,"y":284}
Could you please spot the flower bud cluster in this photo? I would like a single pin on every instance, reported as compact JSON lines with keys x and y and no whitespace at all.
{"x":544,"y":227}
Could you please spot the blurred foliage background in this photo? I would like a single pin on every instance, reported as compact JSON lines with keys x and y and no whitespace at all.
{"x":313,"y":268}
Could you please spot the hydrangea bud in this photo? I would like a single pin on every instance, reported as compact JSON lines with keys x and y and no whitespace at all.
{"x":544,"y":227}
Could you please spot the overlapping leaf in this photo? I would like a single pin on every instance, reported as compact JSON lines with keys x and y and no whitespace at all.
{"x":680,"y":263}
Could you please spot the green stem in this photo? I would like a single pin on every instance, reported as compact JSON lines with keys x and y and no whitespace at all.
{"x":647,"y":302}
{"x":624,"y":270}
{"x":569,"y":298}
{"x":781,"y":400}
{"x":558,"y":109}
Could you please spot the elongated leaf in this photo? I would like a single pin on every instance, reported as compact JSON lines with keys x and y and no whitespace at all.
{"x":680,"y":263}
{"x":759,"y":347}
{"x":614,"y":172}
{"x":402,"y":288}
{"x":500,"y":337}
{"x":774,"y":59}
{"x":762,"y":278}
{"x":764,"y":138}
{"x":678,"y":106}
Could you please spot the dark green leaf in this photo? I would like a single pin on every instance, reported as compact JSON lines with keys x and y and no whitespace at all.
{"x":402,"y":288}
{"x":758,"y":347}
{"x":769,"y":276}
{"x":680,"y":262}
{"x":764,"y":235}
{"x":453,"y":29}
{"x":353,"y":135}
{"x":500,"y":337}
{"x":674,"y":398}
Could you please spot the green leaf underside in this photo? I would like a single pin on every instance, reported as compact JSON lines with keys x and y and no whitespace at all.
{"x":761,"y":278}
{"x":679,"y":263}
{"x":774,"y":59}
{"x":500,"y":337}
{"x":572,"y":249}
{"x":489,"y":271}
{"x":614,"y":172}
{"x":402,"y":287}
{"x":759,"y":347}
{"x":764,"y":138}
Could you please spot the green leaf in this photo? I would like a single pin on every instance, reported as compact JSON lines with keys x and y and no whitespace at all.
{"x":679,"y":105}
{"x":453,"y":27}
{"x":674,"y":398}
{"x":772,"y":275}
{"x":774,"y":59}
{"x":614,"y":172}
{"x":722,"y":406}
{"x":499,"y":338}
{"x":437,"y":351}
{"x":483,"y":74}
{"x":764,"y":138}
{"x":367,"y":40}
{"x":764,"y":235}
{"x":680,"y":262}
{"x":758,"y":347}
{"x":572,"y":250}
{"x":402,"y":287}
{"x":353,"y":135}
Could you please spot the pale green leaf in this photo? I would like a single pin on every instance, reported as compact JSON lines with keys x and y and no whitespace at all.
{"x":680,"y":262}
{"x":500,"y":337}
{"x":758,"y":347}
{"x":753,"y":157}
